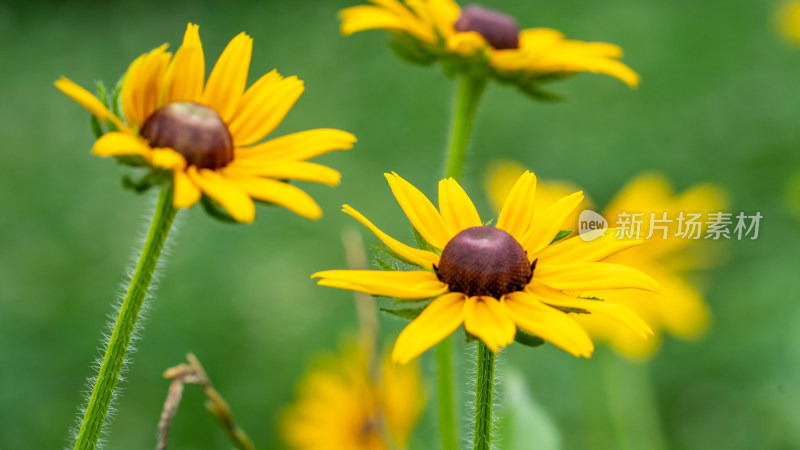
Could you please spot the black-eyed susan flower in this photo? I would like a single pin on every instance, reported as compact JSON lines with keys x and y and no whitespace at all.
{"x":495,"y":279}
{"x":207,"y":135}
{"x":482,"y":41}
{"x":679,"y":308}
{"x":342,"y":405}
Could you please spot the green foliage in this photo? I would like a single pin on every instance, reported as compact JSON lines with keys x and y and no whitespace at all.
{"x":528,"y":339}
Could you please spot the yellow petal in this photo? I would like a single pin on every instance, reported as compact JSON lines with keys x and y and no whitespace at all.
{"x":615,"y":311}
{"x":486,"y":319}
{"x":141,"y":86}
{"x":456,"y":208}
{"x":226,"y":83}
{"x":420,"y":212}
{"x":541,"y":233}
{"x":444,"y":14}
{"x":466,"y":44}
{"x":233,"y":198}
{"x":416,"y":284}
{"x":517,"y":212}
{"x":290,"y":197}
{"x":263,"y":107}
{"x":421,"y":257}
{"x":364,"y":17}
{"x":90,"y":102}
{"x":548,"y":323}
{"x":121,"y":144}
{"x":593,"y":276}
{"x":284,"y":170}
{"x":183,"y":81}
{"x":186,"y":191}
{"x":299,"y":146}
{"x":589,"y":247}
{"x":167,"y":158}
{"x":439,"y":319}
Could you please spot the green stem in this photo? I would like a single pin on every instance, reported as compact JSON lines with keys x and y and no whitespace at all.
{"x":484,"y":398}
{"x":447,"y":416}
{"x":467,"y":98}
{"x":469,"y":93}
{"x":114,"y":358}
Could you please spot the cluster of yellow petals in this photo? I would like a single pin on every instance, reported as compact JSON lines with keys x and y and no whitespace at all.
{"x":570,"y":265}
{"x":158,"y":78}
{"x":541,"y":51}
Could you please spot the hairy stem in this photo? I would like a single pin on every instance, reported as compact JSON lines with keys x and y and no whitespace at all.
{"x":467,"y":98}
{"x":114,"y":358}
{"x":484,"y":398}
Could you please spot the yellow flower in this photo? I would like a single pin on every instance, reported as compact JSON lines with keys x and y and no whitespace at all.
{"x":679,"y":308}
{"x":494,"y":279}
{"x":208,"y":134}
{"x":442,"y":29}
{"x":341,"y":406}
{"x":789,"y":20}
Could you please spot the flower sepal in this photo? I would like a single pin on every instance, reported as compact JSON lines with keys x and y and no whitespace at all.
{"x":216,"y":211}
{"x":412,"y":50}
{"x":147,"y":181}
{"x":528,"y":339}
{"x":405,"y":313}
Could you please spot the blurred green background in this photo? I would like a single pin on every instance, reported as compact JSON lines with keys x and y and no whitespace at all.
{"x":719,"y":101}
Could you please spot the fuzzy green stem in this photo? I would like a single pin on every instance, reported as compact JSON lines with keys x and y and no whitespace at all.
{"x":114,"y":358}
{"x":484,"y":398}
{"x":447,"y":416}
{"x":468,"y":96}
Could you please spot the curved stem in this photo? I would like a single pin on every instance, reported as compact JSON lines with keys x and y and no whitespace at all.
{"x":484,"y":398}
{"x":114,"y":358}
{"x":466,"y":103}
{"x":469,"y":93}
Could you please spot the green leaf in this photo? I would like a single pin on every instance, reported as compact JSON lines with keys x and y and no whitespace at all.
{"x":423,"y":244}
{"x":561,"y":235}
{"x":116,"y":103}
{"x":528,"y":339}
{"x":216,"y":211}
{"x":102,"y":93}
{"x":383,"y":264}
{"x":522,"y":423}
{"x":97,"y":129}
{"x":405,"y":313}
{"x":394,"y":255}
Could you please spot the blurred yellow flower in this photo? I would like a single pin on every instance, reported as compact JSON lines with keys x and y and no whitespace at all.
{"x":493,"y":279}
{"x":343,"y":405}
{"x":679,"y":309}
{"x":441,"y":29}
{"x":207,"y":134}
{"x":789,"y":20}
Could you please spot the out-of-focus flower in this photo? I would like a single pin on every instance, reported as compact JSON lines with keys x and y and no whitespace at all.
{"x":679,"y":309}
{"x":342,"y":405}
{"x":206,"y":135}
{"x":789,"y":21}
{"x":480,"y":41}
{"x":494,"y":279}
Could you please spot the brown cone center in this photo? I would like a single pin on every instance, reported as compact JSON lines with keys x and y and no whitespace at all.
{"x":500,"y":30}
{"x":484,"y":261}
{"x":195,"y":131}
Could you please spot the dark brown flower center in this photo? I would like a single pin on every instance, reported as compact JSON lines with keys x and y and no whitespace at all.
{"x":195,"y":131}
{"x":501,"y":30}
{"x":484,"y":261}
